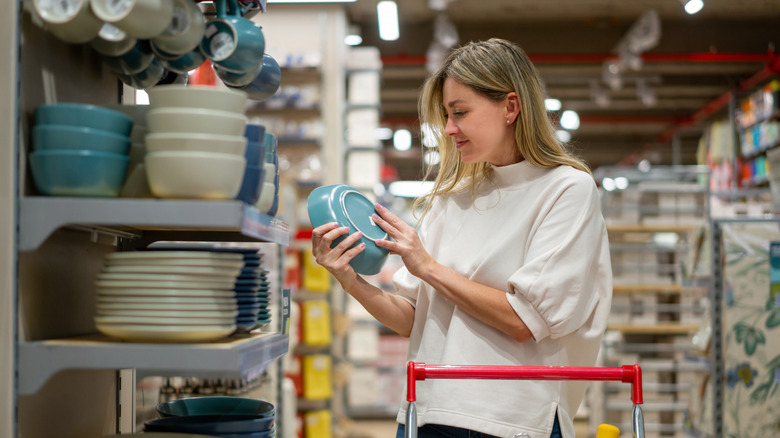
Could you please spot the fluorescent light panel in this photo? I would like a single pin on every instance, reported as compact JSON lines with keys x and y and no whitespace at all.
{"x":387,"y":15}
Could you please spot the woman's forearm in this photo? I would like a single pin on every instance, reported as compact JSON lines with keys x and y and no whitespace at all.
{"x":485,"y":303}
{"x":389,"y":309}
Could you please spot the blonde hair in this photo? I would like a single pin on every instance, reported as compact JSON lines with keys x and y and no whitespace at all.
{"x":493,"y":68}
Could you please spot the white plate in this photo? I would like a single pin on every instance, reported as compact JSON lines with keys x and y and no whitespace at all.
{"x":176,"y":255}
{"x":163,"y":315}
{"x":124,"y":300}
{"x":178,"y":262}
{"x":172,"y":270}
{"x":160,"y":285}
{"x":135,"y":276}
{"x":166,"y":333}
{"x":162,"y":321}
{"x":157,"y":292}
{"x":152,"y":306}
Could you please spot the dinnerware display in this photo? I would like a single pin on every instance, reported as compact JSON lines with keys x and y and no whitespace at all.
{"x":197,"y":96}
{"x":78,"y":172}
{"x":233,"y":42}
{"x":350,"y":208}
{"x":196,"y":120}
{"x":63,"y":137}
{"x":142,"y":19}
{"x":216,"y":405}
{"x":84,"y":115}
{"x":215,"y":289}
{"x":201,"y":175}
{"x":71,"y":21}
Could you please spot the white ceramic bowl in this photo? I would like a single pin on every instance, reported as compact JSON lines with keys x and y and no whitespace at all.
{"x":201,"y":175}
{"x":195,"y":121}
{"x":159,"y":300}
{"x":109,"y":291}
{"x":197,"y":96}
{"x":195,"y":271}
{"x":165,"y":315}
{"x":165,"y":333}
{"x":182,"y":142}
{"x":105,"y":308}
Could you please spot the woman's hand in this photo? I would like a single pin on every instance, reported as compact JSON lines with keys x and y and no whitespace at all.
{"x":336,"y":260}
{"x":407,"y":242}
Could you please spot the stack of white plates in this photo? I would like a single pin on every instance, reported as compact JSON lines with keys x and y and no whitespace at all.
{"x":168,"y":296}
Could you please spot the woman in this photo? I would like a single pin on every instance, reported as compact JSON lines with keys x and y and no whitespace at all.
{"x":511,"y":262}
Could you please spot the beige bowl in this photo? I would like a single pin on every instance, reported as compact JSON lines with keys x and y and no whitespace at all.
{"x":172,"y":141}
{"x":195,"y":121}
{"x":197,"y":96}
{"x":201,"y":175}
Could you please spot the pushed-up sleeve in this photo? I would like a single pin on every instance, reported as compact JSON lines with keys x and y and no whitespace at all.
{"x":567,"y":268}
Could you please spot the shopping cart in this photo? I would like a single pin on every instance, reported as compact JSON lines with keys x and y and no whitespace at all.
{"x":627,"y":374}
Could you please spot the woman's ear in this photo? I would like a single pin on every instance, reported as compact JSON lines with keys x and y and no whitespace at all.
{"x":512,"y":106}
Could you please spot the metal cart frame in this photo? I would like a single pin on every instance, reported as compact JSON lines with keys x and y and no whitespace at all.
{"x":626,"y":374}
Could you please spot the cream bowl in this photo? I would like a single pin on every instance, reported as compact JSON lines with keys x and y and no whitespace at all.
{"x":200,"y":175}
{"x":181,"y":142}
{"x":197,"y":96}
{"x":195,"y":121}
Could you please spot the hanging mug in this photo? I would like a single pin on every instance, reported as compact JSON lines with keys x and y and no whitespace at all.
{"x":180,"y":63}
{"x":265,"y":83}
{"x":142,"y":19}
{"x":231,"y":41}
{"x":71,"y":21}
{"x":185,"y":31}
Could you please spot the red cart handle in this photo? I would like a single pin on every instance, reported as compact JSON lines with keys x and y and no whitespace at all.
{"x":626,"y":374}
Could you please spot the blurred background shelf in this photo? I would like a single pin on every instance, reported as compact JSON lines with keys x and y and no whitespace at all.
{"x":40,"y":216}
{"x":236,"y":356}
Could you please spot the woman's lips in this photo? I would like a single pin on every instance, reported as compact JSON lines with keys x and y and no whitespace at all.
{"x":459,"y":144}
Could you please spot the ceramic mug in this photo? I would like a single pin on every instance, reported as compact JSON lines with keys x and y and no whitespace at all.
{"x":147,"y":78}
{"x":137,"y":59}
{"x":143,"y":19}
{"x":180,"y":63}
{"x":71,"y":21}
{"x":265,"y":83}
{"x":112,"y":41}
{"x":185,"y":31}
{"x":231,"y":41}
{"x":236,"y":79}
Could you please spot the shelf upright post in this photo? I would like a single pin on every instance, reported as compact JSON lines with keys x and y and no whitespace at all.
{"x":716,"y":340}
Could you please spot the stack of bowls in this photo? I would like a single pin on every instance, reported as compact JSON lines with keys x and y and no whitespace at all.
{"x":269,"y":195}
{"x":168,"y":296}
{"x":196,"y":144}
{"x":254,"y":176}
{"x":216,"y":416}
{"x":79,"y":150}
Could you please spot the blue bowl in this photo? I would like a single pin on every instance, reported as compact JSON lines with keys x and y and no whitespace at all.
{"x":215,"y":405}
{"x":254,"y":132}
{"x":78,"y":173}
{"x":350,"y":208}
{"x":255,"y":152}
{"x":212,"y":424}
{"x":88,"y":116}
{"x":58,"y":137}
{"x":251,"y":186}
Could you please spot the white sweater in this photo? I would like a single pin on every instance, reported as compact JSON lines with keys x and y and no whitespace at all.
{"x":539,"y":235}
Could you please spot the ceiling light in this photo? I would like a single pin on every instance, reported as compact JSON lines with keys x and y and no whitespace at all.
{"x":693,"y":6}
{"x":552,"y":104}
{"x":432,"y":158}
{"x":621,"y":183}
{"x":608,"y":184}
{"x":387,"y":15}
{"x":353,"y":40}
{"x":570,"y":120}
{"x":563,"y":136}
{"x":402,"y":140}
{"x":383,"y":133}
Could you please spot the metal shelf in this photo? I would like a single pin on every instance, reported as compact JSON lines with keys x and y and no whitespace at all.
{"x":40,"y":216}
{"x":236,"y":356}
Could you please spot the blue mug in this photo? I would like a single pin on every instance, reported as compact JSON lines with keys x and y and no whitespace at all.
{"x":147,"y":78}
{"x":134,"y":61}
{"x":231,"y":41}
{"x":266,"y":83}
{"x":180,"y":63}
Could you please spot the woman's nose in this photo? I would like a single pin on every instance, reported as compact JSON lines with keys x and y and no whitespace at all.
{"x":450,"y":128}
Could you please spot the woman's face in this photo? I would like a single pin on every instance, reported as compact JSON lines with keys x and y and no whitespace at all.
{"x":478,"y":125}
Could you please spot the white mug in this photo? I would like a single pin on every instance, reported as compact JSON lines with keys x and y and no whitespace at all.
{"x":71,"y":21}
{"x":143,"y":19}
{"x":185,"y":30}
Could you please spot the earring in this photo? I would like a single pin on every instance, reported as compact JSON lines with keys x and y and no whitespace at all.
{"x":508,"y":122}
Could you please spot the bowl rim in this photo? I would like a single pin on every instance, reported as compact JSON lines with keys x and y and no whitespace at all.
{"x":78,"y":153}
{"x":83,"y":107}
{"x":177,"y":88}
{"x":174,"y":110}
{"x":194,"y":154}
{"x":195,"y":136}
{"x":80,"y":129}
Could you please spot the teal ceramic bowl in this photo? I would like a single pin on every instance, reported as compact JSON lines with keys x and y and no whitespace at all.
{"x":61,"y":137}
{"x":215,"y":405}
{"x":350,"y":208}
{"x":78,"y":173}
{"x":88,"y":116}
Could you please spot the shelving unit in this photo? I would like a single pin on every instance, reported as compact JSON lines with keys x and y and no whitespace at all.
{"x":657,"y":304}
{"x":758,"y":129}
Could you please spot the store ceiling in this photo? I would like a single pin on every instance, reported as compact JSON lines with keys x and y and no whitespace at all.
{"x":697,"y":61}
